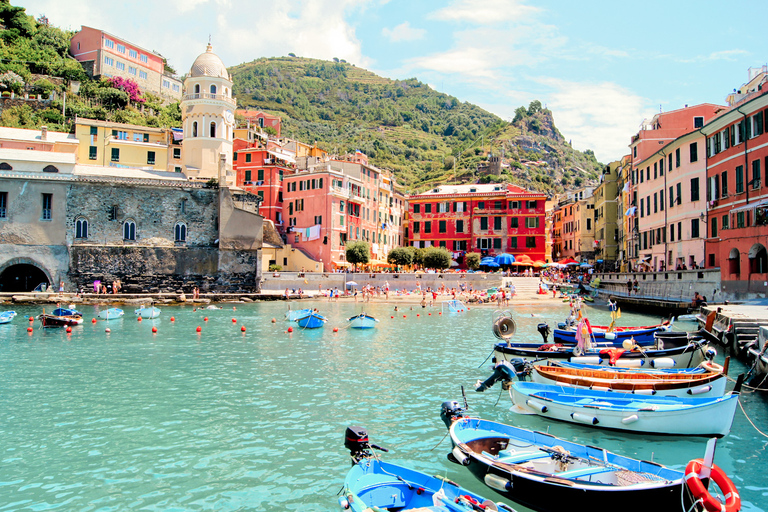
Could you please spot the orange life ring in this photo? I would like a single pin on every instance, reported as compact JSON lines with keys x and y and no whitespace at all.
{"x":696,"y":486}
{"x":712,"y":366}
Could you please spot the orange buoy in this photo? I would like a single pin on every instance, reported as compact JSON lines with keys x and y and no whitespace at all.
{"x":430,"y":314}
{"x":242,"y":328}
{"x":418,"y":315}
{"x":440,"y":313}
{"x":696,"y":486}
{"x":290,"y":329}
{"x":107,"y":330}
{"x":335,"y":329}
{"x":69,"y":329}
{"x":29,"y":329}
{"x":234,"y":320}
{"x":31,"y":319}
{"x":403,"y":316}
{"x":391,"y":317}
{"x":205,"y":319}
{"x":199,"y":329}
{"x":154,"y":329}
{"x":274,"y":321}
{"x":173,"y":319}
{"x":138,"y":319}
{"x":93,"y":320}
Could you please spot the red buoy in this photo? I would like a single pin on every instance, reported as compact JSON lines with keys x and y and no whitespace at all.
{"x":31,"y":319}
{"x":138,"y":319}
{"x":205,"y":319}
{"x":93,"y":320}
{"x":242,"y":328}
{"x":69,"y":329}
{"x":273,"y":320}
{"x":173,"y":319}
{"x":234,"y":320}
{"x":154,"y":329}
{"x":199,"y":329}
{"x":335,"y":329}
{"x":290,"y":329}
{"x":430,"y":314}
{"x":391,"y":317}
{"x":403,"y":316}
{"x":440,"y":313}
{"x":417,"y":314}
{"x":29,"y":329}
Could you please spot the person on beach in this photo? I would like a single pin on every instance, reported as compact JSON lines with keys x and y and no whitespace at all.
{"x":635,"y":285}
{"x":629,"y":287}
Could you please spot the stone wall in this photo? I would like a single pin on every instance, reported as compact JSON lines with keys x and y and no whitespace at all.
{"x":674,"y":285}
{"x":155,"y":210}
{"x":165,"y":269}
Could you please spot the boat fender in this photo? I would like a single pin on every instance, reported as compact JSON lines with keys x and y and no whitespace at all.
{"x":583,"y":418}
{"x":586,"y":360}
{"x":497,"y":482}
{"x":630,"y":419}
{"x":344,"y":503}
{"x":610,"y":335}
{"x":699,"y":390}
{"x":460,"y":456}
{"x":693,"y":481}
{"x":533,"y":404}
{"x":663,"y":362}
{"x":630,"y":363}
{"x":649,"y":392}
{"x":601,"y":388}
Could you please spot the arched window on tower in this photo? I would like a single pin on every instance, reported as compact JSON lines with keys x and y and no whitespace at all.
{"x":213,"y":130}
{"x":180,"y":232}
{"x":213,"y":89}
{"x":197,"y":88}
{"x":129,"y":230}
{"x":81,"y":228}
{"x":194,"y":129}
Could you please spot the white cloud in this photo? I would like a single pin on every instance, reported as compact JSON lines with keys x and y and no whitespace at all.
{"x":486,"y":12}
{"x":403,"y":32}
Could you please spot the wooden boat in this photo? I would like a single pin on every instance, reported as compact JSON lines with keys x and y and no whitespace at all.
{"x":312,"y":320}
{"x":688,"y":415}
{"x":66,"y":312}
{"x":147,"y":312}
{"x":362,"y":321}
{"x":544,"y":473}
{"x":294,"y":314}
{"x":680,"y":352}
{"x":709,"y":383}
{"x":111,"y":313}
{"x":49,"y":320}
{"x":7,"y":316}
{"x":655,"y":370}
{"x":372,"y":484}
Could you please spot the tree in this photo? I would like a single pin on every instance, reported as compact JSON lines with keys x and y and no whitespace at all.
{"x":437,"y":257}
{"x":520,"y":114}
{"x":400,"y":256}
{"x":534,"y":107}
{"x":418,"y":255}
{"x":358,"y":252}
{"x":472,"y":260}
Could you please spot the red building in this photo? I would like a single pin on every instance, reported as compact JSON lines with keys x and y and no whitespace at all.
{"x":260,"y":167}
{"x":490,"y":219}
{"x":257,"y":118}
{"x":737,"y":196}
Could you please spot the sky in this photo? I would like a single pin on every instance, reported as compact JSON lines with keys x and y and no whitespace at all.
{"x":601,"y":67}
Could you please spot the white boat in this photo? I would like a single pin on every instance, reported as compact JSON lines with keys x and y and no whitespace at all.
{"x":111,"y":313}
{"x":689,"y":415}
{"x":7,"y":316}
{"x":294,"y":314}
{"x":150,"y":312}
{"x":362,"y":321}
{"x":454,"y":306}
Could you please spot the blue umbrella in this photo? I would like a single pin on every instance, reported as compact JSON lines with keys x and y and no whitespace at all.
{"x":486,"y":260}
{"x":491,"y":264}
{"x":504,"y":259}
{"x":585,"y":265}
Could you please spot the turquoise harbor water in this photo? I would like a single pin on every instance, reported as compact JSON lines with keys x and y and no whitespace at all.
{"x":224,"y":421}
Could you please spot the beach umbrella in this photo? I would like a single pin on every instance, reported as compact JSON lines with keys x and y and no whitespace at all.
{"x":566,"y":261}
{"x":492,"y":264}
{"x":504,"y":259}
{"x":351,"y":283}
{"x":539,"y":264}
{"x":585,"y":265}
{"x":572,"y":264}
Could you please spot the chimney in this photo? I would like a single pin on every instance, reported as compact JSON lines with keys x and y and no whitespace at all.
{"x":43,"y":133}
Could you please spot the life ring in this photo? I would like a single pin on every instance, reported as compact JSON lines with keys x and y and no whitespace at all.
{"x":696,"y":486}
{"x":712,"y":366}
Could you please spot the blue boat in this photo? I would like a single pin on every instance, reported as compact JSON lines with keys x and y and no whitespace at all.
{"x":66,"y":312}
{"x":372,"y":484}
{"x":362,"y":321}
{"x":544,"y":472}
{"x":644,"y":335}
{"x":294,"y":314}
{"x":150,"y":312}
{"x":312,"y":320}
{"x":111,"y":314}
{"x":7,"y":316}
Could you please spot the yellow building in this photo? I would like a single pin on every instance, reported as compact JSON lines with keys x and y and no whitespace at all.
{"x":124,"y":145}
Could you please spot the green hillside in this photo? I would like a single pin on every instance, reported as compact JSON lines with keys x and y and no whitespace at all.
{"x":424,"y":136}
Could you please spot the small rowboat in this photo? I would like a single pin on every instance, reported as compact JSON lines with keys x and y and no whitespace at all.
{"x":111,"y":314}
{"x":694,"y":416}
{"x":294,"y":314}
{"x":312,"y":320}
{"x":7,"y":316}
{"x":543,"y":472}
{"x":709,"y":383}
{"x":49,"y":320}
{"x":147,"y":313}
{"x":362,"y":321}
{"x":372,"y":484}
{"x":640,"y":335}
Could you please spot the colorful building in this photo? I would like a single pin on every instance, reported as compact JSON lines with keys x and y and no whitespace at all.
{"x":109,"y":144}
{"x":625,"y":211}
{"x":105,"y":55}
{"x":736,"y":193}
{"x":257,"y":119}
{"x":490,"y":219}
{"x":606,"y":242}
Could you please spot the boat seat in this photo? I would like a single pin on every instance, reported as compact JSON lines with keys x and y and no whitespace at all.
{"x":592,"y":470}
{"x":517,"y":457}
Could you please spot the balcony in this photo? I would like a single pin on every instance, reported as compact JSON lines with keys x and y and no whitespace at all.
{"x":340,"y":192}
{"x":209,"y":96}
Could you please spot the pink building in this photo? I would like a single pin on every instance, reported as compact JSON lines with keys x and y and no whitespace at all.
{"x":104,"y":55}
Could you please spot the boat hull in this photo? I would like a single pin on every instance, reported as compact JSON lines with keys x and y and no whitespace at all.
{"x":293,"y":315}
{"x":643,"y":336}
{"x":7,"y":316}
{"x":535,"y":483}
{"x":621,"y":411}
{"x":147,"y":313}
{"x":60,"y":321}
{"x":311,"y":321}
{"x":362,"y":321}
{"x":111,"y":314}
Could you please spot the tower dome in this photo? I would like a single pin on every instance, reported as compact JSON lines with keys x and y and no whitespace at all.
{"x":209,"y":64}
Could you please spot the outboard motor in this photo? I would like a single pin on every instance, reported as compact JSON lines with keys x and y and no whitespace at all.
{"x":451,"y":411}
{"x":356,"y":441}
{"x":710,"y":354}
{"x":505,"y":371}
{"x":544,"y":330}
